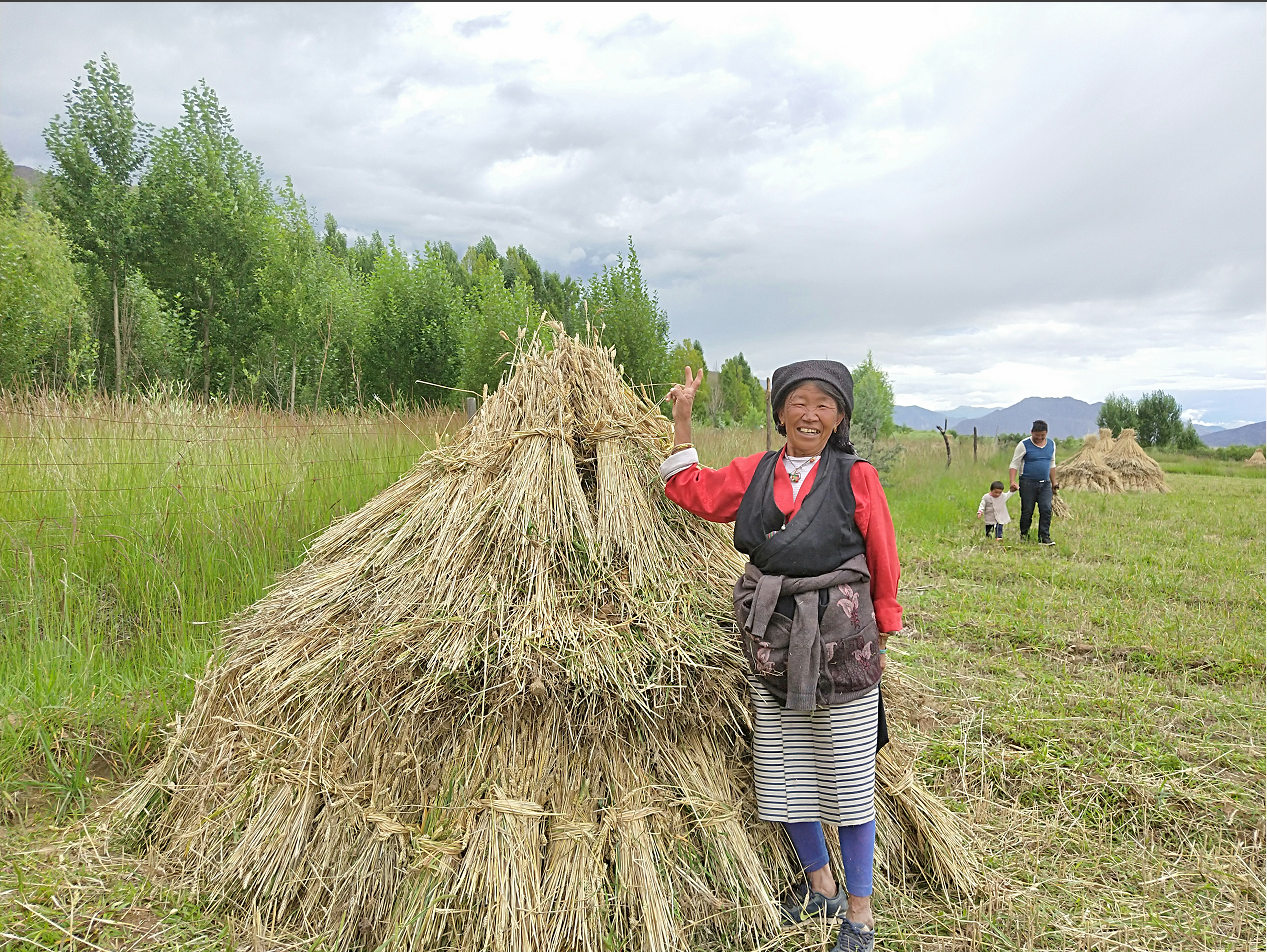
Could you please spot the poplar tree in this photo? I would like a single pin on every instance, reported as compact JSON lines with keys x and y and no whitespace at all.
{"x":1160,"y":420}
{"x":628,"y":312}
{"x":1117,"y":412}
{"x":412,"y":342}
{"x":872,"y":402}
{"x":207,"y":209}
{"x":99,"y":148}
{"x":743,"y":397}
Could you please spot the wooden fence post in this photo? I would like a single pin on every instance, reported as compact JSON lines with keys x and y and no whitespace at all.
{"x":974,"y":444}
{"x":946,"y":439}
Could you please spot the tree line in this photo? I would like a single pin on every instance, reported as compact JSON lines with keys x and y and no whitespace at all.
{"x":162,"y":258}
{"x":1155,"y":417}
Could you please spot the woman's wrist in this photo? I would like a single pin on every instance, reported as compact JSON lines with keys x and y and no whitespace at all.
{"x":682,"y":433}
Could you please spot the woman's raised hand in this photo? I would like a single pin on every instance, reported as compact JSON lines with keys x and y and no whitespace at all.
{"x":683,"y":397}
{"x":683,"y":394}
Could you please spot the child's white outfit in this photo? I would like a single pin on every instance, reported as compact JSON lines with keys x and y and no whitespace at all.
{"x":993,"y":510}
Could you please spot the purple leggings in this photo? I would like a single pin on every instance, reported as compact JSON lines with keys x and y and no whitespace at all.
{"x":857,"y":849}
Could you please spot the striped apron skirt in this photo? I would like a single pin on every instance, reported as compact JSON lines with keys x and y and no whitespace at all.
{"x":814,"y":765}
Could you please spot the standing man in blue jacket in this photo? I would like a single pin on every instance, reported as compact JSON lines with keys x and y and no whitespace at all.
{"x":1034,"y":458}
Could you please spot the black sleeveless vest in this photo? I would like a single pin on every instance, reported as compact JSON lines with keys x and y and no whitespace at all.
{"x":824,"y":536}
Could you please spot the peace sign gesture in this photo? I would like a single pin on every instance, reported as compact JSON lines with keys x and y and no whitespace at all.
{"x":683,"y":394}
{"x":683,"y":397}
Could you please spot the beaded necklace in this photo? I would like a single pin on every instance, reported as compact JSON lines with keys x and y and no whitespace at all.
{"x":799,"y":469}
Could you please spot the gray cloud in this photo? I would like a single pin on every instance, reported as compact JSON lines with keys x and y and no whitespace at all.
{"x":1071,"y":195}
{"x":478,"y":25}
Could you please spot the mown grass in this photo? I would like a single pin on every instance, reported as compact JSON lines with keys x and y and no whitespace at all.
{"x":1102,"y":706}
{"x":1095,"y":710}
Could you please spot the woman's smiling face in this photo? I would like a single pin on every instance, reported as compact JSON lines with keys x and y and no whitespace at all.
{"x":810,"y":416}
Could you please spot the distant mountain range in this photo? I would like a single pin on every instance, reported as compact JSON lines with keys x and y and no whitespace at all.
{"x":1252,"y":434}
{"x":1203,"y":430}
{"x":917,"y":418}
{"x":1065,"y":416}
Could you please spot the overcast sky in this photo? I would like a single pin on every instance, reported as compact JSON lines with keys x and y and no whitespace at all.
{"x":999,"y":201}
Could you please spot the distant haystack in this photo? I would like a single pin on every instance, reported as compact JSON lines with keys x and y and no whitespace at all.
{"x":1257,"y":459}
{"x":1135,"y":468}
{"x":1086,"y":469}
{"x":1104,"y":442}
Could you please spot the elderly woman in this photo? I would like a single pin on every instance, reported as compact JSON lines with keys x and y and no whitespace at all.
{"x":815,"y":606}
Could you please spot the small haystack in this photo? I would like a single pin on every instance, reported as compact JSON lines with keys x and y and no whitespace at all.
{"x":1086,"y":470}
{"x":1257,"y":459}
{"x":501,"y":707}
{"x":1104,"y":442}
{"x":1135,"y":468}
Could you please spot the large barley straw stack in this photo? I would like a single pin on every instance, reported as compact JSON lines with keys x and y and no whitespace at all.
{"x":499,"y":707}
{"x":1087,"y":470}
{"x":1135,"y":468}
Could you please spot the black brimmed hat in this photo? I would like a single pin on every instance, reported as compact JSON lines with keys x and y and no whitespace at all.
{"x":830,"y":372}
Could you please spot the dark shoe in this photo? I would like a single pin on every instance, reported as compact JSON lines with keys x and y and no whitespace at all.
{"x":854,"y":938}
{"x":1045,"y":542}
{"x":1024,"y":536}
{"x":805,"y":903}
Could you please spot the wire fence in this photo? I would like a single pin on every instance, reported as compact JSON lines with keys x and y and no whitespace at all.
{"x":236,"y":464}
{"x":177,"y":487}
{"x":277,"y":422}
{"x":44,"y":475}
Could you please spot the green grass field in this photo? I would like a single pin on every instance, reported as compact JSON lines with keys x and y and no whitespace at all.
{"x":1095,"y":710}
{"x":1100,"y":705}
{"x":129,"y":532}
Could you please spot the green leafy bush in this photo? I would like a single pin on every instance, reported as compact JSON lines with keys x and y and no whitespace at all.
{"x":44,"y":332}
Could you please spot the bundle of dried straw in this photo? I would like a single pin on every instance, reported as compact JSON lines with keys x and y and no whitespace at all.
{"x":501,"y":706}
{"x":1257,"y":459}
{"x":1059,"y":508}
{"x":1135,"y":468}
{"x":1087,"y":470}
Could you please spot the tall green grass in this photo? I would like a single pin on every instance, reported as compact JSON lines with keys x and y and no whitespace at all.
{"x":131,"y":531}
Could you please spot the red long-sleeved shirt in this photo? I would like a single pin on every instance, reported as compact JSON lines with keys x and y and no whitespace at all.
{"x":715,"y":494}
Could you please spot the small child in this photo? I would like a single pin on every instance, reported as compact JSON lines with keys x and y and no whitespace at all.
{"x":993,"y":509}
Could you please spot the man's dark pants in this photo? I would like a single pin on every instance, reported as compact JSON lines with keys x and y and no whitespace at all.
{"x":1036,"y":491}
